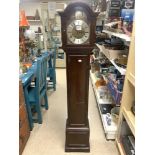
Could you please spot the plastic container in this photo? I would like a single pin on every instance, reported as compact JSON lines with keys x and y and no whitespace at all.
{"x":115,"y":114}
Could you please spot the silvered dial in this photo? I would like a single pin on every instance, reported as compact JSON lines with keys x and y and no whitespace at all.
{"x":78,"y":32}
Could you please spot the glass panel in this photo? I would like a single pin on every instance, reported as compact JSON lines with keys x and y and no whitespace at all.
{"x":78,"y":27}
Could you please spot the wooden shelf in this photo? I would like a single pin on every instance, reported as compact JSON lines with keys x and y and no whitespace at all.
{"x":131,"y":78}
{"x":38,"y":33}
{"x":34,"y":20}
{"x":119,"y":35}
{"x":130,"y":118}
{"x":120,"y":147}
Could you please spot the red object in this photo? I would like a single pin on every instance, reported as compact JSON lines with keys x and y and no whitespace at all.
{"x":23,"y":21}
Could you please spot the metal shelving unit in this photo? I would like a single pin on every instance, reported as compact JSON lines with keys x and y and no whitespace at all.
{"x":111,"y":55}
{"x":109,"y":130}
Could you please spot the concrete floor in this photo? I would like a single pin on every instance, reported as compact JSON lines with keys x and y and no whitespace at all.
{"x":49,"y":138}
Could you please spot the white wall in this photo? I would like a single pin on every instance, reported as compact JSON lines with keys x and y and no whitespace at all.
{"x":30,"y":8}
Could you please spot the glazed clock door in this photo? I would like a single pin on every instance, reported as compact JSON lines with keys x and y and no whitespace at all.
{"x":78,"y":29}
{"x":77,"y":126}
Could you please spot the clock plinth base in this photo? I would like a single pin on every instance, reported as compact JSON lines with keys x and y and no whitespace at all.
{"x":77,"y":149}
{"x":77,"y":138}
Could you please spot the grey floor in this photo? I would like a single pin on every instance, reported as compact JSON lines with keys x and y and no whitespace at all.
{"x":49,"y":138}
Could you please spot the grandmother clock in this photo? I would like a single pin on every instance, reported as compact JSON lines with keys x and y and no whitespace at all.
{"x":78,"y":23}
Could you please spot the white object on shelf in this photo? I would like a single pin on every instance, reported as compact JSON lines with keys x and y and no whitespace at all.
{"x":56,"y":28}
{"x":30,"y":34}
{"x":119,"y":35}
{"x":110,"y":130}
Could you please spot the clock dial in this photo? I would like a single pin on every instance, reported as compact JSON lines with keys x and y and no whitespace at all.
{"x":78,"y":32}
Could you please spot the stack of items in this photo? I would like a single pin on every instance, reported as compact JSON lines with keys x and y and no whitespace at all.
{"x":114,"y":43}
{"x":100,"y":38}
{"x":127,"y":15}
{"x":116,"y":78}
{"x":114,"y":48}
{"x":119,"y":16}
{"x":112,"y":20}
{"x":113,"y":8}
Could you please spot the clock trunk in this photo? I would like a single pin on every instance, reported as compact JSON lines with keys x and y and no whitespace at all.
{"x":77,"y":125}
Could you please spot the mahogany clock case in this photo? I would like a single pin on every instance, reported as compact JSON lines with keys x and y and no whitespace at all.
{"x":77,"y":66}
